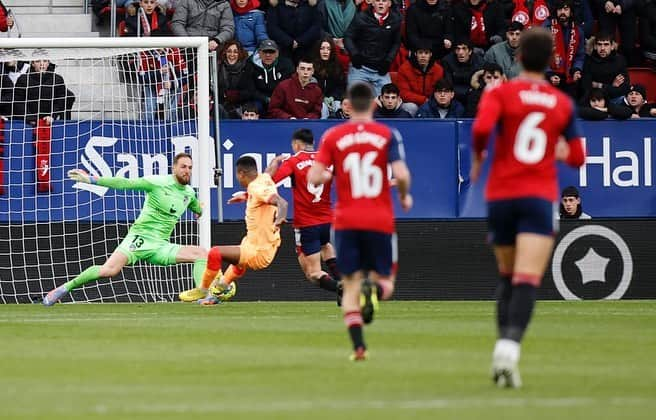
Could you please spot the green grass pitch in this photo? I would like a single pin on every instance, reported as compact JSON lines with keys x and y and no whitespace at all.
{"x":429,"y":360}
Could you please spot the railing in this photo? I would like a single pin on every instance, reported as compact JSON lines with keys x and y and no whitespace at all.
{"x":52,"y":5}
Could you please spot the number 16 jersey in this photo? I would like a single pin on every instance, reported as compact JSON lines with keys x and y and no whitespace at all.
{"x":359,"y":153}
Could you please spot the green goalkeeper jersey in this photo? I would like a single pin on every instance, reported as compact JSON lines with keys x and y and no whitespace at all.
{"x":166,"y":201}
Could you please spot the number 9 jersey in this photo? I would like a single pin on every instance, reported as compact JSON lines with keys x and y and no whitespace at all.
{"x":530,"y":117}
{"x":359,"y":153}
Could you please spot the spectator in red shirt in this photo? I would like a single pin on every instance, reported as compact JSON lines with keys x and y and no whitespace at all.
{"x":6,"y":19}
{"x":299,"y":96}
{"x":417,"y":77}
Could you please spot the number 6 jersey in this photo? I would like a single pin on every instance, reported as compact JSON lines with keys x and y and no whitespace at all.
{"x":312,"y":204}
{"x":359,"y":153}
{"x":530,"y":117}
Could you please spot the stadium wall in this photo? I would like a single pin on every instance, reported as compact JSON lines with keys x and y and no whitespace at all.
{"x":439,"y":260}
{"x":617,"y":180}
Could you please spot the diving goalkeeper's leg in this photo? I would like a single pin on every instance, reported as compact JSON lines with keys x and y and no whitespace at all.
{"x":112,"y":267}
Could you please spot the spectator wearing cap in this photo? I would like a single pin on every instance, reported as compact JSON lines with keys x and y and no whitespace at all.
{"x":372,"y":40}
{"x":481,"y":21}
{"x":417,"y":77}
{"x":636,"y":102}
{"x":570,"y":205}
{"x":250,"y":26}
{"x":460,"y":65}
{"x":566,"y":67}
{"x":606,"y":69}
{"x":503,"y":53}
{"x":298,"y":97}
{"x":429,"y":22}
{"x":295,"y":25}
{"x":596,"y":107}
{"x":390,"y":103}
{"x":490,"y":75}
{"x":442,"y":104}
{"x":647,"y":28}
{"x":269,"y":69}
{"x":210,"y":18}
{"x":619,"y":14}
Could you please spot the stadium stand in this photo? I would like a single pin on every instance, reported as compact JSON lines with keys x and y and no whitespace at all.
{"x":645,"y":76}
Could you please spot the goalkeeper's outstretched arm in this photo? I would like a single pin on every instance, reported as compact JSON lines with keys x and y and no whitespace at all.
{"x":118,"y":183}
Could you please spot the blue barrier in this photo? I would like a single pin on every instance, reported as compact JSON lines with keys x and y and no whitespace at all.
{"x":616,"y":182}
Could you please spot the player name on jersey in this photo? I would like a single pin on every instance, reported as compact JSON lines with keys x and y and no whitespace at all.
{"x":363,"y":137}
{"x":534,"y":97}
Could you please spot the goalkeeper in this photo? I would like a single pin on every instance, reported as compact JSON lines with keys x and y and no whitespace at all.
{"x":167,"y":198}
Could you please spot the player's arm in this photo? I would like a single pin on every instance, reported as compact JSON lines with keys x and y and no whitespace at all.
{"x":571,"y":152}
{"x":400,"y":170}
{"x":282,"y":205}
{"x":118,"y":183}
{"x":486,"y":119}
{"x":279,"y":168}
{"x":319,"y":173}
{"x":196,"y":206}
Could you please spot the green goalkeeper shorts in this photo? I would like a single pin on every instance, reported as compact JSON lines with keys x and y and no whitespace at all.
{"x":142,"y":248}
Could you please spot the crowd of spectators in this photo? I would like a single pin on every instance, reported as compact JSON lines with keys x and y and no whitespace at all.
{"x":425,"y":58}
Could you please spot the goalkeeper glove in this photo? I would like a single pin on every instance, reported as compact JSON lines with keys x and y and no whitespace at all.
{"x":79,"y":175}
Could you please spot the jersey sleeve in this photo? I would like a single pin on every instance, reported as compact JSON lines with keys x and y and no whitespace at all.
{"x":573,"y":129}
{"x":486,"y":119}
{"x":284,"y":170}
{"x":396,"y":149}
{"x":263,"y":191}
{"x":194,"y":205}
{"x":135,"y":184}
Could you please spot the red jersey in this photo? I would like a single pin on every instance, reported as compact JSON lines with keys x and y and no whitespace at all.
{"x":312,"y":204}
{"x":531,"y":116}
{"x":359,"y":153}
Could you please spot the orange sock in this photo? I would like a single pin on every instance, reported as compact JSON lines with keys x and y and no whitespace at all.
{"x":208,"y":276}
{"x":233,"y":273}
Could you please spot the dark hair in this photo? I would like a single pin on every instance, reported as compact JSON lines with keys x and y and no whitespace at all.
{"x":535,"y":49}
{"x":443,"y":84}
{"x":246,"y":163}
{"x":327,"y":69}
{"x":604,"y":36}
{"x":596,"y":93}
{"x":179,"y":156}
{"x":305,"y":135}
{"x":570,"y":191}
{"x":305,"y":59}
{"x":243,"y":54}
{"x":250,"y":107}
{"x":489,"y":67}
{"x":390,"y":88}
{"x":361,"y":95}
{"x":515,"y":26}
{"x":464,"y":41}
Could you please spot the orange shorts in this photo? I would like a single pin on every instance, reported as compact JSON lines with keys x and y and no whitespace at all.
{"x":256,"y":257}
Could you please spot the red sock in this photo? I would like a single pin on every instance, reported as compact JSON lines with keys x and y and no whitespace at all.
{"x":213,"y":267}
